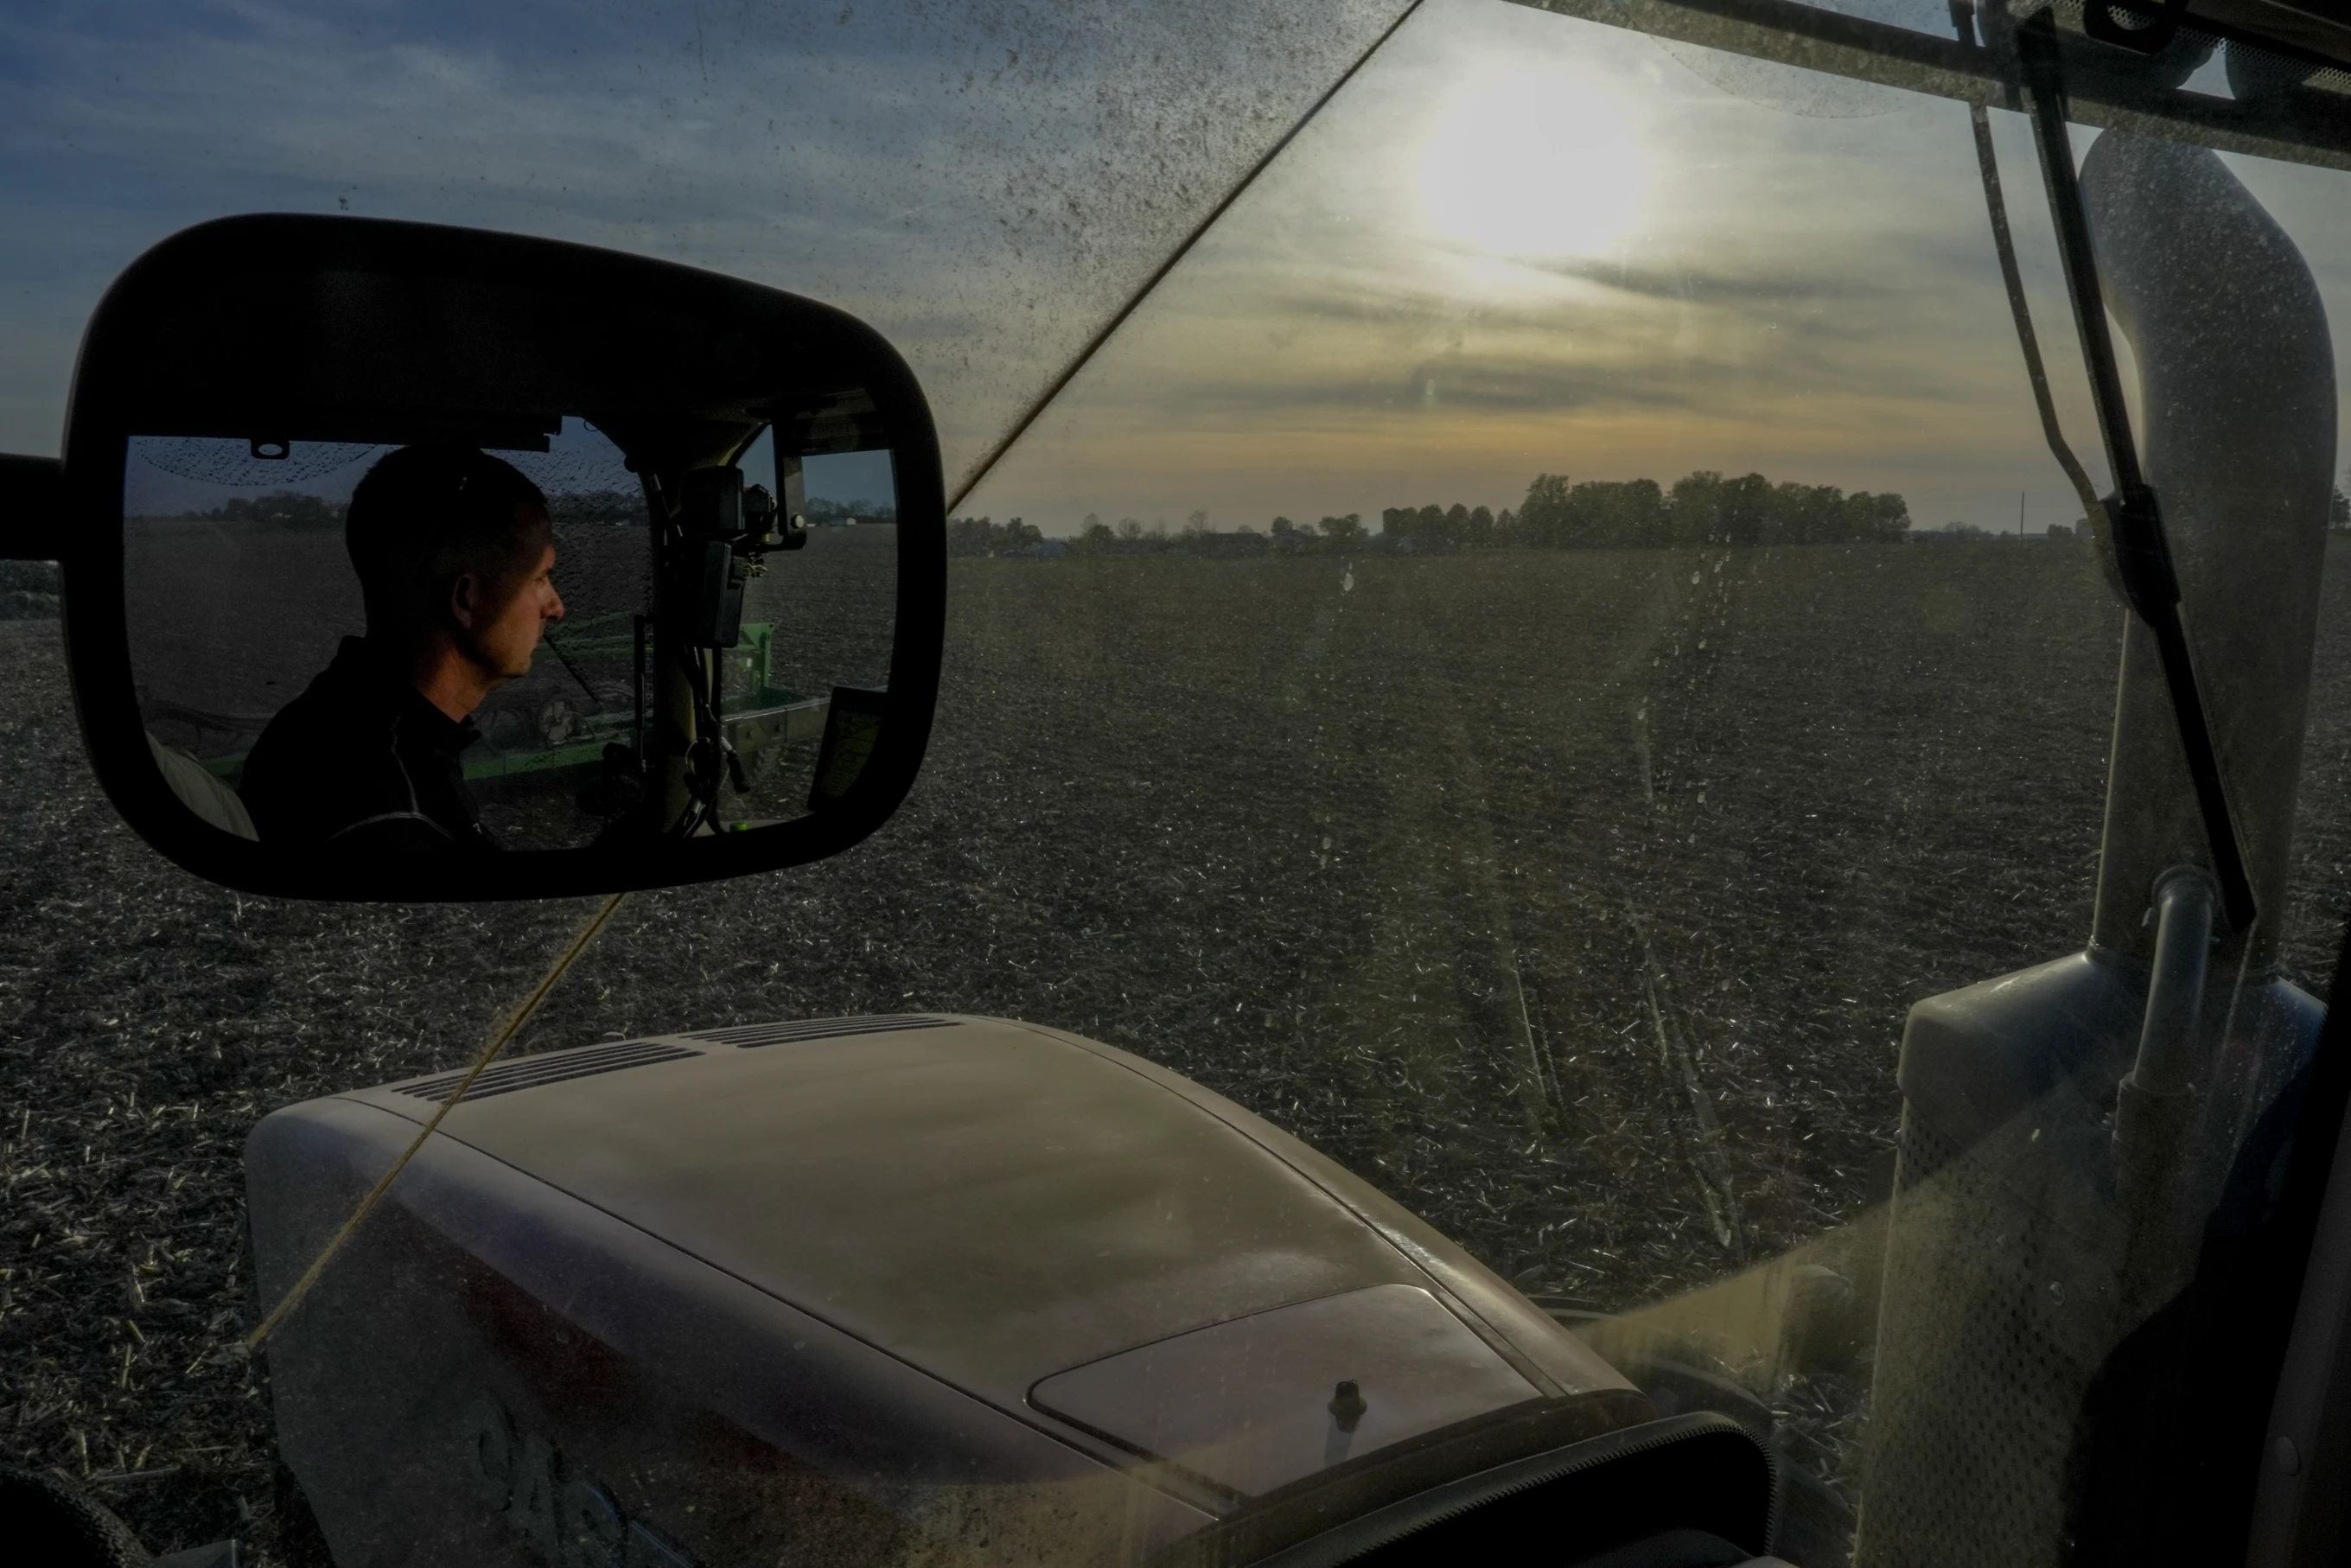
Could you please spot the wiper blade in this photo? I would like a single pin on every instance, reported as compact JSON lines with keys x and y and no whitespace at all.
{"x":2133,"y":515}
{"x":2012,"y":278}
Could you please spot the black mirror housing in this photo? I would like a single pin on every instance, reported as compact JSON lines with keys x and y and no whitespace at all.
{"x":264,"y":340}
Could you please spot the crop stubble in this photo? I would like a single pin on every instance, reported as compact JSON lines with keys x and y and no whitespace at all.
{"x":1574,"y":899}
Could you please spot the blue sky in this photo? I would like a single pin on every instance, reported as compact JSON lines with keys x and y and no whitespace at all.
{"x":983,"y":183}
{"x":1759,"y":269}
{"x":1805,"y":285}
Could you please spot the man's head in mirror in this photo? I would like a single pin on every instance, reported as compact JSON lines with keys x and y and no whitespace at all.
{"x":454,"y":552}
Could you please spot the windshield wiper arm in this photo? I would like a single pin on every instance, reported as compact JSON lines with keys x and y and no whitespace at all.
{"x":2012,"y":278}
{"x":2134,"y":517}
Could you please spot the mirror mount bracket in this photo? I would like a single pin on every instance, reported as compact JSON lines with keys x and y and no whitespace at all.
{"x":32,"y":491}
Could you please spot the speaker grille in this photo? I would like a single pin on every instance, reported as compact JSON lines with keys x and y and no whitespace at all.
{"x":553,"y":1067}
{"x":745,"y":1036}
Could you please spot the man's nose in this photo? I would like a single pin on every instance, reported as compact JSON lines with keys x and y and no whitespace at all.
{"x":554,"y":605}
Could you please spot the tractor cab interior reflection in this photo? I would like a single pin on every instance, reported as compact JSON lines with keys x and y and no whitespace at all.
{"x":376,"y":651}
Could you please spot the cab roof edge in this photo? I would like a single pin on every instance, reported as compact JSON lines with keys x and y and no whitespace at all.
{"x":2105,"y":89}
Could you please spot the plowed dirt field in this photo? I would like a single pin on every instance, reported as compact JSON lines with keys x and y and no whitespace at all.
{"x":1574,"y":899}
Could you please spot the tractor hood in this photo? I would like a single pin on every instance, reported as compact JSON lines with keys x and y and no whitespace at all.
{"x":1087,"y":1242}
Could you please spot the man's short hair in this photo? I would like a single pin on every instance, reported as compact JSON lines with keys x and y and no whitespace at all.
{"x":425,"y":515}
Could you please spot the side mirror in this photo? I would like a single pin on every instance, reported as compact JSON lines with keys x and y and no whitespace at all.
{"x":413,"y":562}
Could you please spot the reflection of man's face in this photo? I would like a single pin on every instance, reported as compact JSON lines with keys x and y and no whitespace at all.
{"x":505,"y":616}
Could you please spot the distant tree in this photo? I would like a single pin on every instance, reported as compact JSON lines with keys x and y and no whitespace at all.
{"x":1349,"y":526}
{"x":1627,"y":514}
{"x":1600,"y":514}
{"x":2338,"y":509}
{"x":1093,"y":520}
{"x":609,"y":508}
{"x":1805,"y":515}
{"x":280,"y":508}
{"x":1544,"y":515}
{"x":1280,"y":525}
{"x":1703,"y":508}
{"x":1708,"y":509}
{"x":2060,"y":531}
{"x":985,"y":537}
{"x":970,"y":535}
{"x":1196,"y":525}
{"x":1129,"y":529}
{"x":1878,"y":519}
{"x":1097,"y":532}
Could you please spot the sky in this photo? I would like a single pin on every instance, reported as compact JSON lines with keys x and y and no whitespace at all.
{"x":1514,"y":243}
{"x":1522,"y":244}
{"x":171,"y":476}
{"x":985,"y":182}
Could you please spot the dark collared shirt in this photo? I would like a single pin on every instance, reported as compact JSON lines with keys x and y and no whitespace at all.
{"x":363,"y":761}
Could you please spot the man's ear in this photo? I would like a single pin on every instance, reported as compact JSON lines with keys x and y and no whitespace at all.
{"x":467,"y":599}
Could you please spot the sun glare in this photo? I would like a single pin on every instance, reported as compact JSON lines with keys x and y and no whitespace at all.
{"x":1537,"y":163}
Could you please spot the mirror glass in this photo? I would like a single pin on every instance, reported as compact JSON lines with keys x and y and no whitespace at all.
{"x":535,"y":640}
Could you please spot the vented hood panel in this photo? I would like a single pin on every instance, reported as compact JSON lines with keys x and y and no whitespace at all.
{"x":992,"y":1202}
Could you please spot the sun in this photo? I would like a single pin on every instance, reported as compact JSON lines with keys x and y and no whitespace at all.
{"x":1536,"y":163}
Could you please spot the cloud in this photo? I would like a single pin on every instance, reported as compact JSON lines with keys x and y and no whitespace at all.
{"x":1353,"y":339}
{"x":984,"y":183}
{"x":1814,"y":298}
{"x":1700,"y":288}
{"x":987,"y":183}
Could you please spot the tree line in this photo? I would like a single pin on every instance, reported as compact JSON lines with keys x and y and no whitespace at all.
{"x":824,"y":514}
{"x":280,"y":509}
{"x":294,"y":509}
{"x":1131,"y":536}
{"x":1703,"y":507}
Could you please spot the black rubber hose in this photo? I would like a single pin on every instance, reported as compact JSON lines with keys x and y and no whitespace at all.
{"x":45,"y":1520}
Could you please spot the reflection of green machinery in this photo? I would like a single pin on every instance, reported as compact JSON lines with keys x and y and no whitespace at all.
{"x":774,"y":716}
{"x":560,"y":748}
{"x":523,"y":751}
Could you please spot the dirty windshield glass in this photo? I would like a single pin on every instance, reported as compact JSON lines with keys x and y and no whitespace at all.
{"x":1629,"y":599}
{"x":1549,"y":661}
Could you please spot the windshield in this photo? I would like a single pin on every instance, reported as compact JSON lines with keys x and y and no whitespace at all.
{"x":965,"y":179}
{"x":1545,"y":659}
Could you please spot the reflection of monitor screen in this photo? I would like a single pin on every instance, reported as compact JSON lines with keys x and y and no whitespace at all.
{"x":852,"y":728}
{"x":240,"y":592}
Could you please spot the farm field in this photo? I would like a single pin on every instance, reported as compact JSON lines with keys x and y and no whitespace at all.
{"x":1575,"y":899}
